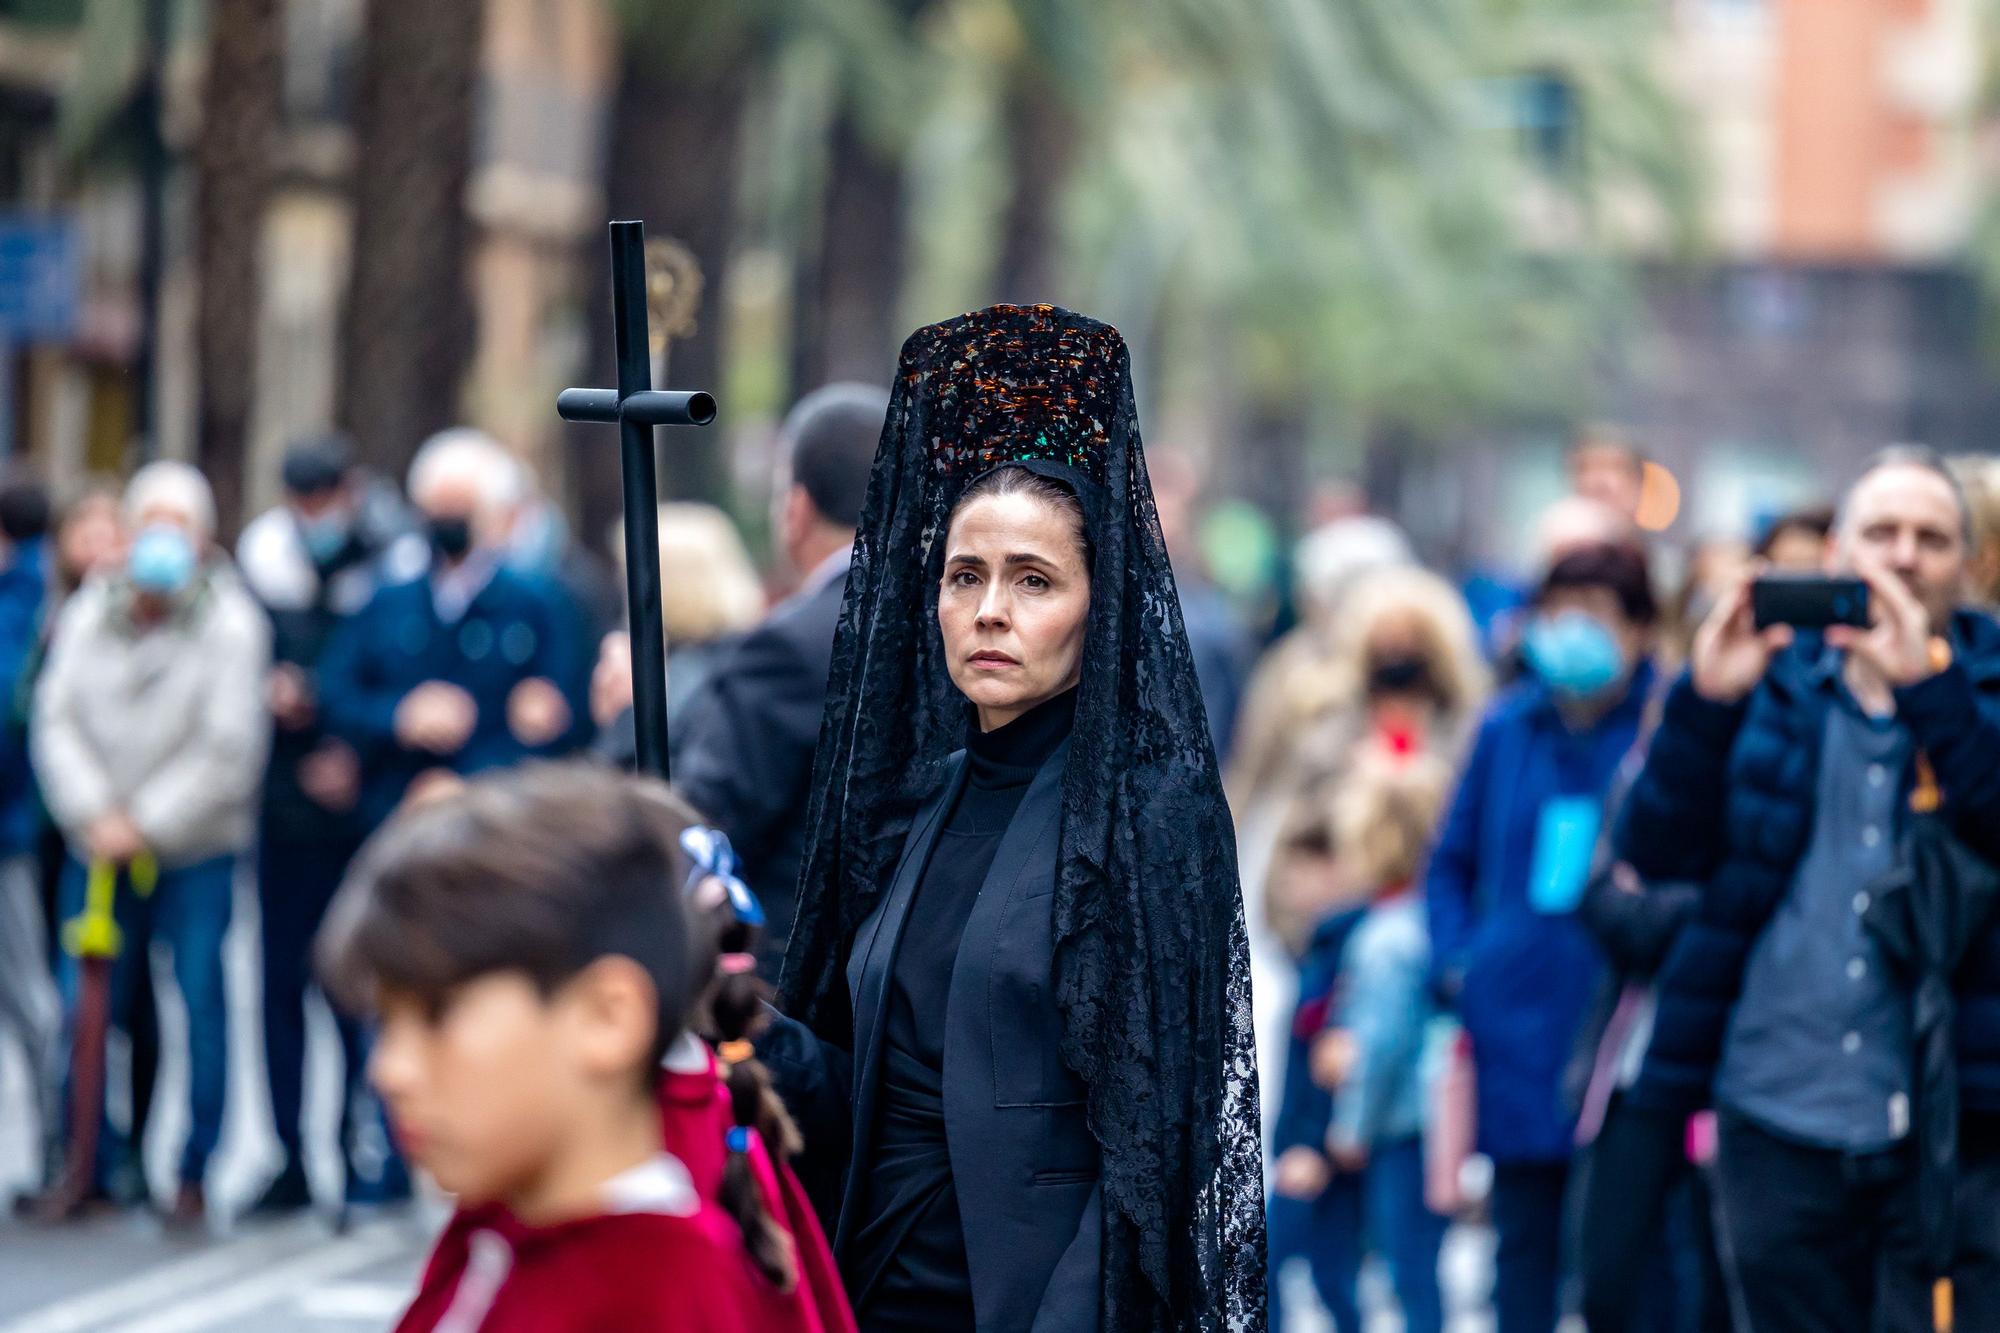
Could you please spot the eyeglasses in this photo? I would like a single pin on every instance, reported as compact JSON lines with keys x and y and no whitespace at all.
{"x":714,"y":858}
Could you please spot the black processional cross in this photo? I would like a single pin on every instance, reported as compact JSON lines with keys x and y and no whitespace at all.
{"x":637,"y":407}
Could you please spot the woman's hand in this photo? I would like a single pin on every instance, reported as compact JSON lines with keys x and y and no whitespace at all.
{"x":611,"y":680}
{"x":1332,"y":1058}
{"x":1300,"y":1173}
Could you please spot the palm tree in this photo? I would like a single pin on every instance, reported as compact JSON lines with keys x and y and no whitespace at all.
{"x":233,"y":166}
{"x":854,"y":240}
{"x":407,"y":339}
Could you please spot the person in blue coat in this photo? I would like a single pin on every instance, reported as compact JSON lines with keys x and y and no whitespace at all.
{"x":471,"y":666}
{"x":28,"y":1005}
{"x":1503,"y":884}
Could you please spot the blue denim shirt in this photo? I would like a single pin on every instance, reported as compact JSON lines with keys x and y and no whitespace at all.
{"x":1818,"y":1048}
{"x":1385,"y":1007}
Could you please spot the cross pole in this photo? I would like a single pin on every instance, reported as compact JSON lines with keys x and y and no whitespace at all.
{"x":636,"y":406}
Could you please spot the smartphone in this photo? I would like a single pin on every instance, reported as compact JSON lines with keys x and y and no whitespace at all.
{"x":1808,"y":601}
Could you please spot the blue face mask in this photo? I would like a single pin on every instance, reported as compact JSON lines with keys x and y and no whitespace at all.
{"x":1574,"y":654}
{"x":162,"y":561}
{"x":325,"y":536}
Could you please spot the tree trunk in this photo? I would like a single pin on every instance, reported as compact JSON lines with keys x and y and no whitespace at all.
{"x":848,"y":287}
{"x":233,"y":164}
{"x":1040,"y":135}
{"x":408,"y":337}
{"x":673,"y":164}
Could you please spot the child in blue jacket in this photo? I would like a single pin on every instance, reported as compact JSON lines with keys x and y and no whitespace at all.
{"x":1376,"y":1048}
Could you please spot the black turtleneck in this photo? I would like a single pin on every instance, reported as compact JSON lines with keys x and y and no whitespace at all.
{"x":999,"y":766}
{"x":907,"y":1262}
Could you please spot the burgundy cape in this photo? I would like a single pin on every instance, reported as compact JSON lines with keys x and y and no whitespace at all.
{"x":695,"y":1118}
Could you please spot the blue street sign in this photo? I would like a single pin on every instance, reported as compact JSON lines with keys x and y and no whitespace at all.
{"x":41,"y":277}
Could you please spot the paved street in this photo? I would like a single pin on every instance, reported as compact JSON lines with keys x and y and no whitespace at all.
{"x":126,"y":1273}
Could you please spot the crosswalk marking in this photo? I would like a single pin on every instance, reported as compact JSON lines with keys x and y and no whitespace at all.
{"x":259,"y":1289}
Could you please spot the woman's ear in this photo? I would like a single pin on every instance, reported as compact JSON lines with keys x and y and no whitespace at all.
{"x":616,"y":1016}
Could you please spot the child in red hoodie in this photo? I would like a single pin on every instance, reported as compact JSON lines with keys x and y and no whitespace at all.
{"x":526,"y":950}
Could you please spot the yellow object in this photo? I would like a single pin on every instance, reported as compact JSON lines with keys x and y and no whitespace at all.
{"x":94,"y":932}
{"x":1925,"y":796}
{"x":1941,"y":1312}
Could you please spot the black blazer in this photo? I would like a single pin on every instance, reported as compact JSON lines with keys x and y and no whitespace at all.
{"x":1022,"y":1157}
{"x":743,"y":746}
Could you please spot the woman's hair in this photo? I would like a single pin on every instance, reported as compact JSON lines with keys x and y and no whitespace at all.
{"x":172,"y":485}
{"x":730,"y":1015}
{"x":1617,"y":566}
{"x":543,"y":869}
{"x":1450,"y":644}
{"x":1386,"y":814}
{"x":1014,"y":479}
{"x":710,"y":588}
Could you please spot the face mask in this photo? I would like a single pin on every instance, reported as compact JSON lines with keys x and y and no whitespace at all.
{"x":162,"y":561}
{"x":324,"y":536}
{"x":451,"y":538}
{"x":1574,"y":654}
{"x":1399,"y":674}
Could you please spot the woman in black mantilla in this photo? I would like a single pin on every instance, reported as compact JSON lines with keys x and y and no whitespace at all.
{"x":1019,"y":1044}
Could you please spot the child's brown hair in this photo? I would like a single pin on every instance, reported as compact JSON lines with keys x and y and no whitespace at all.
{"x":1387,"y":813}
{"x":544,"y":869}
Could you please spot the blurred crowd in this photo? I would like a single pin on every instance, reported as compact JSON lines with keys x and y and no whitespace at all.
{"x":1603,"y":911}
{"x":1532,"y":863}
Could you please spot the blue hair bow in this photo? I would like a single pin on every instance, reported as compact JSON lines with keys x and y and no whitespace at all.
{"x":712,"y":855}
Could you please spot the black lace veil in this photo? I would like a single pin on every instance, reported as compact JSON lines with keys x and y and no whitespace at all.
{"x":1151,"y":964}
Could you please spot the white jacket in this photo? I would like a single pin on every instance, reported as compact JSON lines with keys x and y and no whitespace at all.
{"x":168,"y":724}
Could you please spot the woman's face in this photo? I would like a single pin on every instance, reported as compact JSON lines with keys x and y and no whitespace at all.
{"x":92,"y":539}
{"x":1013,"y":605}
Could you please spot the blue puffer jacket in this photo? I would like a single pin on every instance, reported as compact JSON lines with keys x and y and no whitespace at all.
{"x":1523,"y":977}
{"x":1726,"y":798}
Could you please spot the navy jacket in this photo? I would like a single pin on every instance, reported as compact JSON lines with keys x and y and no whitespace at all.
{"x":1022,"y":1157}
{"x":1726,"y":798}
{"x":23,"y":588}
{"x":1522,"y":978}
{"x":514,"y":630}
{"x":1305,"y":1109}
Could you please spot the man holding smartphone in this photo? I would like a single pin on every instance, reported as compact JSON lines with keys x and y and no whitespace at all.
{"x":1781,"y":778}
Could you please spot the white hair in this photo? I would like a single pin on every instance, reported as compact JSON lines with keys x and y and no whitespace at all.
{"x":175,"y":486}
{"x":1327,"y":561}
{"x":464,"y":451}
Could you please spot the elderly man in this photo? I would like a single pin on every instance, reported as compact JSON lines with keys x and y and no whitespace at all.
{"x":468,"y":667}
{"x":1782,"y":777}
{"x":149,"y":736}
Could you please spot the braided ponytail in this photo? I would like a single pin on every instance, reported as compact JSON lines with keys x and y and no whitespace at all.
{"x":735,"y":1014}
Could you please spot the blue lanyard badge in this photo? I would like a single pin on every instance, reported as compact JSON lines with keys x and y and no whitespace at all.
{"x":1564,"y":843}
